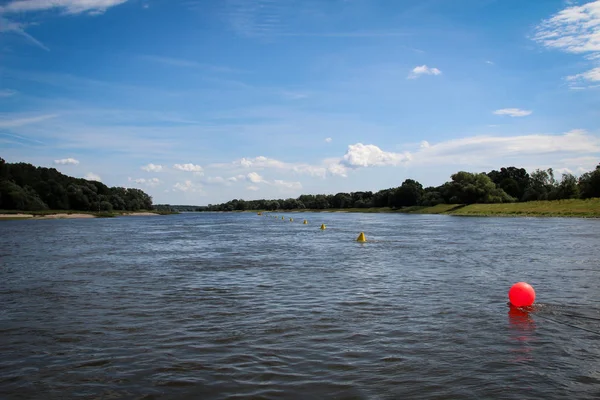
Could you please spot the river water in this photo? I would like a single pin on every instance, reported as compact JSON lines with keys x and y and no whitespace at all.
{"x":219,"y":306}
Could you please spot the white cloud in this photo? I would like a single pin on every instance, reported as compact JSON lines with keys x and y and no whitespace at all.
{"x":513,"y":112}
{"x":261,"y":162}
{"x":237,"y":178}
{"x":361,"y":155}
{"x":287,"y":184}
{"x":188,"y":167}
{"x":574,"y":29}
{"x":19,"y":28}
{"x":489,"y":62}
{"x":7,"y":122}
{"x":423,"y":70}
{"x":255,"y":178}
{"x":66,"y":161}
{"x":328,"y":140}
{"x":90,"y":176}
{"x":152,"y":168}
{"x":338,"y":169}
{"x":424,"y":144}
{"x":252,"y":187}
{"x":151,"y":182}
{"x":187,"y":186}
{"x":7,"y":92}
{"x":69,"y":6}
{"x":593,"y":75}
{"x":479,"y":150}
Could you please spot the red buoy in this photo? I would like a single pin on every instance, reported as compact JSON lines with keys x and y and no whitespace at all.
{"x":521,"y":294}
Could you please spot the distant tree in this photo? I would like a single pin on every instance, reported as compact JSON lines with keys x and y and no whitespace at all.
{"x":566,"y":189}
{"x":409,"y":194}
{"x":514,"y":181}
{"x":470,"y":188}
{"x":541,"y":184}
{"x":589,"y":184}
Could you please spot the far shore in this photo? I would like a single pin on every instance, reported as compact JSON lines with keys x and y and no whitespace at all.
{"x":38,"y":215}
{"x":589,"y":208}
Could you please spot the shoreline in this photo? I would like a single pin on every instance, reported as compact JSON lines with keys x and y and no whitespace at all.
{"x":43,"y":215}
{"x":575,"y":208}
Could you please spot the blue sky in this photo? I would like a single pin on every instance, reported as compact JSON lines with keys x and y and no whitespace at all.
{"x":200,"y":102}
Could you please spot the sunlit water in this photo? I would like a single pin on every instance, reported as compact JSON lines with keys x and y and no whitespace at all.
{"x":215,"y":305}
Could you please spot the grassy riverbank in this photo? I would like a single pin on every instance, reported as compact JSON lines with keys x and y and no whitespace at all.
{"x":556,"y":208}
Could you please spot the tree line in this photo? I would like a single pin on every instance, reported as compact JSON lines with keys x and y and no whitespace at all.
{"x":509,"y":184}
{"x":29,"y":188}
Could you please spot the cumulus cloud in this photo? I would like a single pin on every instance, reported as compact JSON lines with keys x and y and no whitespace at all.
{"x":66,"y":161}
{"x":513,"y":112}
{"x":255,"y":178}
{"x":152,"y":168}
{"x":424,"y":144}
{"x":361,"y":155}
{"x":90,"y":176}
{"x":188,"y":167}
{"x":423,"y":70}
{"x":328,"y":140}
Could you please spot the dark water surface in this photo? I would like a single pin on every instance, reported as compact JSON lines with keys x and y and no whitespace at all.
{"x":206,"y":306}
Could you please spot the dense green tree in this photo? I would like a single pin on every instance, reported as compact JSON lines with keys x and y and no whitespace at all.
{"x":26,"y":187}
{"x":589,"y":184}
{"x":470,"y":188}
{"x":408,"y":194}
{"x":514,"y":181}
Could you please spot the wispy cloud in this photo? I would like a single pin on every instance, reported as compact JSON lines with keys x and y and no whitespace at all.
{"x":593,"y":75}
{"x":66,"y":161}
{"x":8,"y":122}
{"x":356,"y":34}
{"x":255,"y":178}
{"x":328,"y":140}
{"x":513,"y":112}
{"x":19,"y":28}
{"x":187,"y":186}
{"x":423,"y":70}
{"x":184,"y":63}
{"x":254,"y":18}
{"x":68,"y":6}
{"x":575,"y":29}
{"x":188,"y":168}
{"x":90,"y":176}
{"x":152,"y":168}
{"x":7,"y":92}
{"x":150,"y":182}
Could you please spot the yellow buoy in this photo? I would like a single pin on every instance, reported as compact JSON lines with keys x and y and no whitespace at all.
{"x":305,"y":222}
{"x":259,"y":213}
{"x":291,"y":219}
{"x":322,"y":226}
{"x":282,"y":218}
{"x":361,"y":238}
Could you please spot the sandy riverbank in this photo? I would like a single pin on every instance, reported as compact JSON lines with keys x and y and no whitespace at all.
{"x":49,"y":216}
